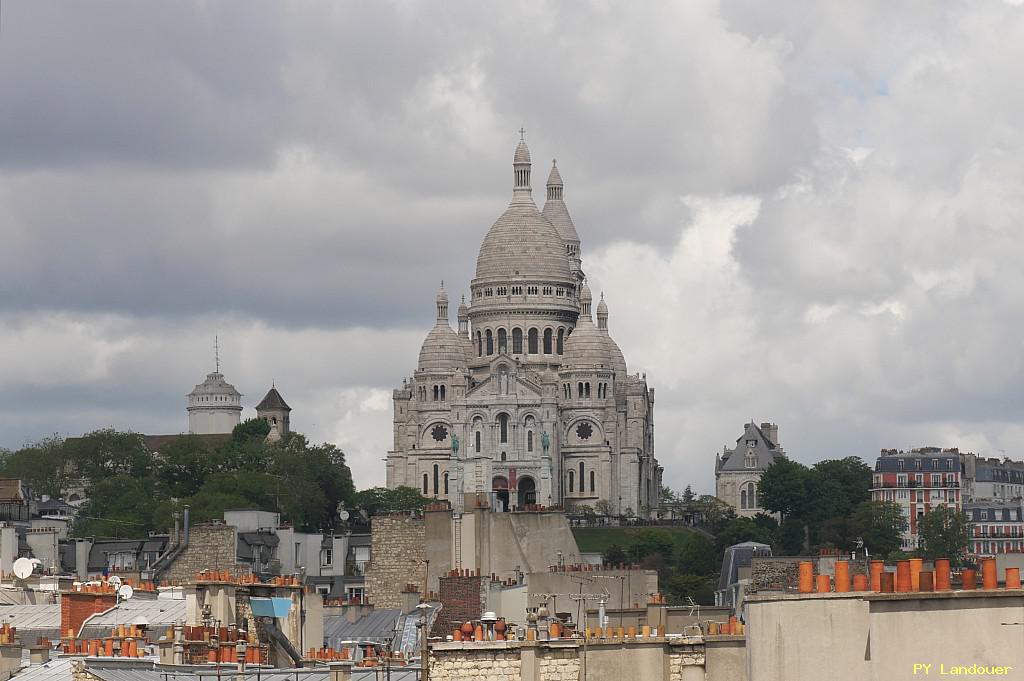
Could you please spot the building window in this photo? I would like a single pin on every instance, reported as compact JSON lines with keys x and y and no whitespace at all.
{"x":899,"y":463}
{"x":560,"y":346}
{"x":586,"y":389}
{"x":582,"y":478}
{"x":479,"y":346}
{"x":750,"y":461}
{"x":477,"y":442}
{"x":592,"y":479}
{"x":547,"y":341}
{"x":489,"y":338}
{"x":517,"y":290}
{"x":531,"y":342}
{"x":437,"y":477}
{"x":502,"y":290}
{"x":517,"y":341}
{"x":426,"y":480}
{"x":503,"y":427}
{"x":751,"y":443}
{"x":502,"y":341}
{"x":326,"y":557}
{"x":571,"y":482}
{"x":529,"y":440}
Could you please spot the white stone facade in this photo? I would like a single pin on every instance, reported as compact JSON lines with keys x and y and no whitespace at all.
{"x":537,"y":396}
{"x":214,"y":406}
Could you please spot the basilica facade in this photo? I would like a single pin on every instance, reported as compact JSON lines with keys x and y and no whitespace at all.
{"x":529,"y":402}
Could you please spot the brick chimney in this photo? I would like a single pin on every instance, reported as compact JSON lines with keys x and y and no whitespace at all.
{"x":77,"y":606}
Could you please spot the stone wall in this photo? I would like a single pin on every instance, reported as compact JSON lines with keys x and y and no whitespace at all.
{"x":211,"y":546}
{"x":781,"y":573}
{"x":476,"y":664}
{"x":650,"y":659}
{"x":397,"y":555}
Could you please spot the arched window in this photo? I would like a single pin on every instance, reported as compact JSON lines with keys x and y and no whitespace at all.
{"x":579,"y":390}
{"x":582,"y":477}
{"x":547,"y":341}
{"x":561,"y":341}
{"x":479,"y":345}
{"x":586,"y":388}
{"x":571,"y":486}
{"x":437,"y":478}
{"x":517,"y":341}
{"x":504,"y":456}
{"x":529,"y":440}
{"x":750,"y":460}
{"x":502,"y":340}
{"x":490,"y":342}
{"x":442,"y":393}
{"x":446,"y":484}
{"x":435,"y":393}
{"x":425,"y":481}
{"x":531,"y":341}
{"x":592,"y":476}
{"x":477,"y":442}
{"x":503,"y":427}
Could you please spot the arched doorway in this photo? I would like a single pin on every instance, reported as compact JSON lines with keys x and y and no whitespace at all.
{"x":499,"y":489}
{"x":527,"y":491}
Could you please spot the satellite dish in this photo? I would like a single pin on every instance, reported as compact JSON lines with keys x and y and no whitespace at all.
{"x":22,"y":568}
{"x":125,"y":592}
{"x":343,"y":515}
{"x":115,"y":582}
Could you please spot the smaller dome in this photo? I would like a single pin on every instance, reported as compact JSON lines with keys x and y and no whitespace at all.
{"x":602,"y":308}
{"x":586,"y":297}
{"x":443,"y":350}
{"x":463,"y":309}
{"x":442,"y":296}
{"x":554,"y":177}
{"x":586,"y":347}
{"x":522,"y":153}
{"x":215,"y":385}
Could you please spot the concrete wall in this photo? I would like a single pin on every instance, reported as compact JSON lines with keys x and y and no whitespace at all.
{"x":211,"y":546}
{"x":252,"y":520}
{"x":530,"y":541}
{"x":852,"y":637}
{"x":438,"y":529}
{"x":725,"y":658}
{"x":623,"y":587}
{"x":397,"y":558}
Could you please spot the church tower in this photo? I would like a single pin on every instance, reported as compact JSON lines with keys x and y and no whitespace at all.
{"x":276,"y":412}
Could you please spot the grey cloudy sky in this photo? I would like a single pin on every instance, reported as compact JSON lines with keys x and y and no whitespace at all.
{"x":809,"y":213}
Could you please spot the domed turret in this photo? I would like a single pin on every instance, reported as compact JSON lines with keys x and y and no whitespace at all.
{"x":587,"y":346}
{"x":442,"y":349}
{"x":214,"y":406}
{"x":557,"y":214}
{"x":615,"y":355}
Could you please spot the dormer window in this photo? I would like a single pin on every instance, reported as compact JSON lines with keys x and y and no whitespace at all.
{"x":751,"y":443}
{"x":750,"y":460}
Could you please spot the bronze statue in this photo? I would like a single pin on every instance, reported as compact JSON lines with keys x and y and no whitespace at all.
{"x":545,"y":441}
{"x":455,"y":444}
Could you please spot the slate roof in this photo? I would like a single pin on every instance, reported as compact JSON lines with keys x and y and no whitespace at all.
{"x":378,"y":625}
{"x":159,"y":613}
{"x":938,"y":462}
{"x":248,"y":543}
{"x":33,"y":620}
{"x":765,"y":450}
{"x":273,"y":400}
{"x":997,"y":512}
{"x":737,"y":556}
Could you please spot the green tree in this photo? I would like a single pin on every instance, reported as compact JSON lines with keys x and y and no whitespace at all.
{"x":382,"y":500}
{"x":849,"y":484}
{"x":740,"y":530}
{"x":697,"y":555}
{"x":716,"y":513}
{"x":118,"y":506}
{"x":943,"y":533}
{"x":184,"y":465}
{"x":688,"y":495}
{"x":700,"y":588}
{"x":44,"y":466}
{"x":614,"y":555}
{"x":841,"y":533}
{"x":105,"y":453}
{"x":783,"y":487}
{"x":650,"y":542}
{"x":882,"y":524}
{"x":791,"y":537}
